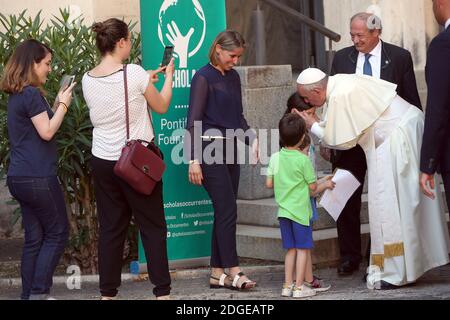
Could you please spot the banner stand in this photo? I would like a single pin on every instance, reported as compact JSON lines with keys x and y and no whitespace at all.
{"x":190,"y":26}
{"x":138,"y":268}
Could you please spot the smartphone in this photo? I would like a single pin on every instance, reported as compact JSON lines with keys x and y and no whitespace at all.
{"x":66,"y":81}
{"x":167,"y":56}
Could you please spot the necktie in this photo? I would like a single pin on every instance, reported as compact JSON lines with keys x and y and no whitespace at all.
{"x":367,"y":70}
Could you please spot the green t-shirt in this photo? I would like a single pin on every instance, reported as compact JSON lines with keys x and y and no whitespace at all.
{"x":292,"y":173}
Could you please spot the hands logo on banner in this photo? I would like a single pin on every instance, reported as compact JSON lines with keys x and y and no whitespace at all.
{"x":182,"y":37}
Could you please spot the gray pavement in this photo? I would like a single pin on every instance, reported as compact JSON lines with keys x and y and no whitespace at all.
{"x":192,"y":284}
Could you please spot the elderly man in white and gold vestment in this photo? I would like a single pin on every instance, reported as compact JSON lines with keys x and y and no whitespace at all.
{"x":409,"y":233}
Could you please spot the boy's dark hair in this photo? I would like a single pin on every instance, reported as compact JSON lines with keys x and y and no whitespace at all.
{"x":295,"y":101}
{"x":292,"y":129}
{"x":306,"y":142}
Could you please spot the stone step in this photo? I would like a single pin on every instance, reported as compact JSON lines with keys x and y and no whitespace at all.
{"x":258,"y":234}
{"x":263,"y":213}
{"x":265,"y":243}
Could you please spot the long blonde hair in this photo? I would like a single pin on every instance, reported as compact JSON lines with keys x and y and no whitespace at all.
{"x":228,"y":40}
{"x":19,"y":71}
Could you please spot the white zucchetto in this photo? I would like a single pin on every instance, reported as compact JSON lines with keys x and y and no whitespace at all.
{"x":310,"y":76}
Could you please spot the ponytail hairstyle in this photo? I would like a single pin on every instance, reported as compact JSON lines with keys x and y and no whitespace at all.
{"x":228,"y":40}
{"x":108,"y":33}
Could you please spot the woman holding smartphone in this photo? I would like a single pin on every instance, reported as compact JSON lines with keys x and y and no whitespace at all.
{"x":32,"y":179}
{"x":117,"y":202}
{"x":216,"y":103}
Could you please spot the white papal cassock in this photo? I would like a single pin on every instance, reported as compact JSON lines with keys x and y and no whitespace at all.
{"x":408,"y":231}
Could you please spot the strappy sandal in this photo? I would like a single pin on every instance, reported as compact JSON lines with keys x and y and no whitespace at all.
{"x":222,"y":283}
{"x":245,"y":285}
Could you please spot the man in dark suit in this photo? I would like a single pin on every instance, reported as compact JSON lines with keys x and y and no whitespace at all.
{"x":436,"y":138}
{"x":373,"y":57}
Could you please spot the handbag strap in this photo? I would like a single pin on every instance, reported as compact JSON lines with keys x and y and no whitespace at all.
{"x":127,"y":117}
{"x":125,"y":82}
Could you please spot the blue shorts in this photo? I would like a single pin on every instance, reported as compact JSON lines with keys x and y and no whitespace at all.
{"x":295,"y":235}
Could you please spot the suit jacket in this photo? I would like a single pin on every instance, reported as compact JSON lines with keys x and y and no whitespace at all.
{"x":436,"y":138}
{"x":396,"y":67}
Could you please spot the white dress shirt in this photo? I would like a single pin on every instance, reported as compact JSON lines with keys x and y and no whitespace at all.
{"x":374,"y":60}
{"x":447,"y":24}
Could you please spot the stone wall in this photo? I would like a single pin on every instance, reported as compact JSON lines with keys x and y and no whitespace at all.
{"x":406,"y":23}
{"x":92,"y":10}
{"x":282,"y":32}
{"x":265,"y":90}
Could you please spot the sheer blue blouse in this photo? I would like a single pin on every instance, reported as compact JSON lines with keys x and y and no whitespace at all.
{"x":216,"y":101}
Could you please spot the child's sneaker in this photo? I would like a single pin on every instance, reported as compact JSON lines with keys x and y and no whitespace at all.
{"x":287,"y":290}
{"x":318,"y":285}
{"x":303,"y":292}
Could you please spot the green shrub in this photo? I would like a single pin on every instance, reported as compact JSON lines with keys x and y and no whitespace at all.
{"x":74,"y":52}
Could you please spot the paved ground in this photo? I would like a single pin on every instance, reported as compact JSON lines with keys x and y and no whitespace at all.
{"x":193,"y":285}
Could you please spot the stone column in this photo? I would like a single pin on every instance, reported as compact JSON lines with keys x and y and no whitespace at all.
{"x":265,"y":90}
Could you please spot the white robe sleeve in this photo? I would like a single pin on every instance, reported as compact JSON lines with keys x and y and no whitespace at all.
{"x":354,"y":104}
{"x":317,"y":130}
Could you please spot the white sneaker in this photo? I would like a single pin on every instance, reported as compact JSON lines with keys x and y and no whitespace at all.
{"x":303,"y":292}
{"x":287,"y":290}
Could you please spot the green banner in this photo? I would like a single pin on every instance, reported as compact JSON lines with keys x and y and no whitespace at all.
{"x":190,"y":26}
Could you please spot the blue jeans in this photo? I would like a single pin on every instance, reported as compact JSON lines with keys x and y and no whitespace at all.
{"x":44,"y":219}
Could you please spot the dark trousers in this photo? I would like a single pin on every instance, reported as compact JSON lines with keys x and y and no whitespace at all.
{"x":116,"y":203}
{"x":349,"y":222}
{"x":44,"y":219}
{"x":221,"y":181}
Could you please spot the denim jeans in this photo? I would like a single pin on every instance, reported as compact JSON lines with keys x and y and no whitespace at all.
{"x":44,"y":219}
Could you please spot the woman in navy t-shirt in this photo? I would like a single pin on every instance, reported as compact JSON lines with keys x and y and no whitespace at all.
{"x":32,"y":178}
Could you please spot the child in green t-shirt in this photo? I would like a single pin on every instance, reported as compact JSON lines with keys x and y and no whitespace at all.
{"x":292,"y":176}
{"x":307,"y":147}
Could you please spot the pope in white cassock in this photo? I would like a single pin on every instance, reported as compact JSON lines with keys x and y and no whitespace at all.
{"x":408,"y":230}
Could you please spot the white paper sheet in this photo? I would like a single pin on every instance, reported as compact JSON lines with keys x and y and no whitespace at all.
{"x":334,"y":200}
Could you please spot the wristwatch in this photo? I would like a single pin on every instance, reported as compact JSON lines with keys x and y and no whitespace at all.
{"x":193,"y":161}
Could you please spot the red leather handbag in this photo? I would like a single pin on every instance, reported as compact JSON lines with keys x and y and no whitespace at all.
{"x":142,"y":167}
